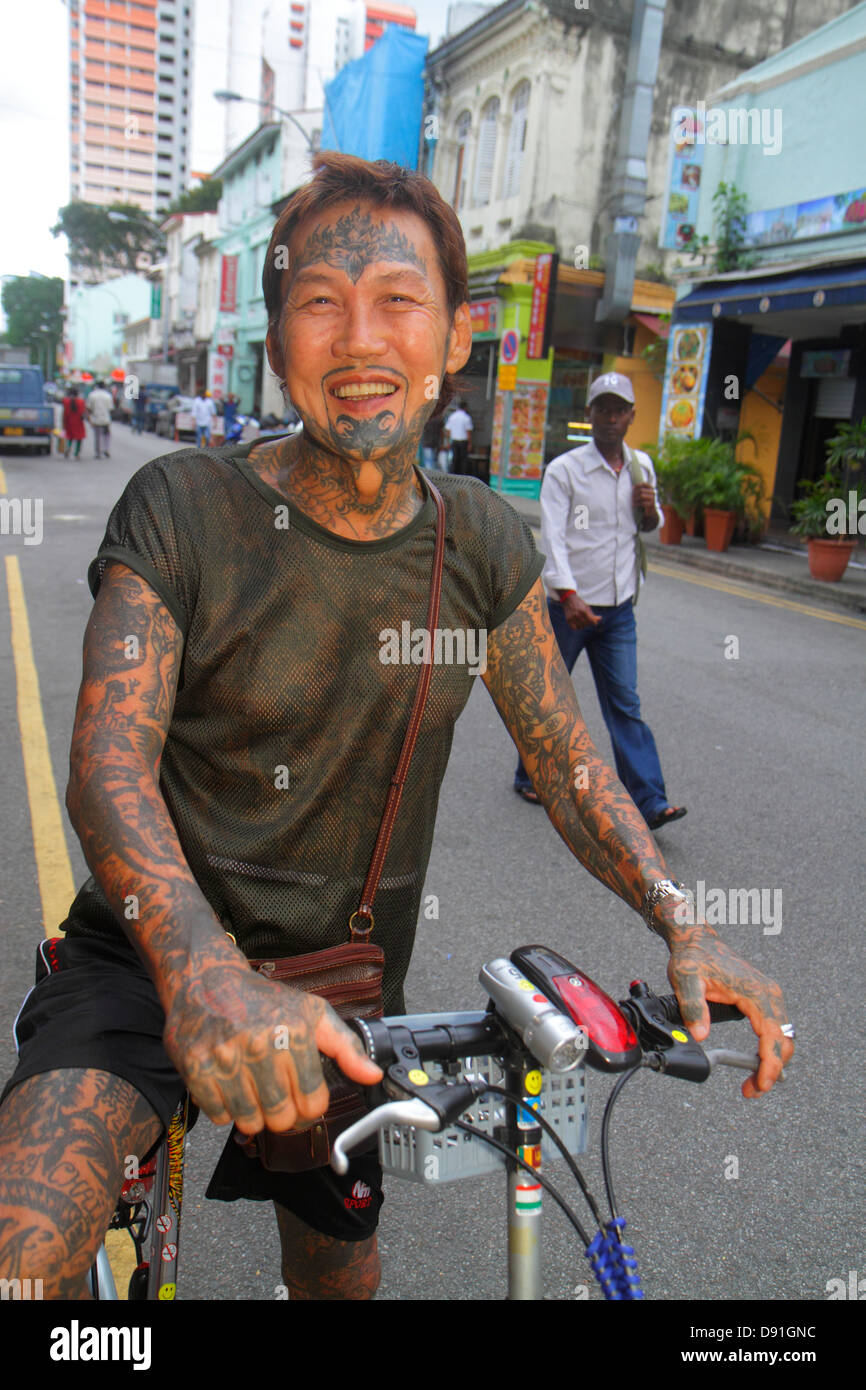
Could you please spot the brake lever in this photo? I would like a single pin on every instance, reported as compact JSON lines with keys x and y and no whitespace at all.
{"x":725,"y":1057}
{"x":397,"y":1112}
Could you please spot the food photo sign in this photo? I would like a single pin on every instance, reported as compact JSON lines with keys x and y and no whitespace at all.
{"x":686,"y":373}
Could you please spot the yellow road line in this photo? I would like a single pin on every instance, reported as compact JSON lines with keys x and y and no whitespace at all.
{"x":53,"y":868}
{"x":2,"y":483}
{"x":742,"y":591}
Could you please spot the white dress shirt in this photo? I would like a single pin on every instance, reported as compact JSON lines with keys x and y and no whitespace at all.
{"x":588,"y":526}
{"x":459,"y":425}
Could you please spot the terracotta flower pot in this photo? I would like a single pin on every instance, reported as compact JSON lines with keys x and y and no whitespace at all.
{"x":693,"y":524}
{"x":671,"y":533}
{"x":828,"y":559}
{"x":718,"y":528}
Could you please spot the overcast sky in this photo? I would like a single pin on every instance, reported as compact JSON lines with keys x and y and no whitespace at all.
{"x":34,"y":138}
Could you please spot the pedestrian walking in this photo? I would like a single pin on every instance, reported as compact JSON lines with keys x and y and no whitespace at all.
{"x":139,"y":417}
{"x":99,"y":405}
{"x":592,"y":501}
{"x":459,"y":427}
{"x":73,"y":422}
{"x":203,"y":410}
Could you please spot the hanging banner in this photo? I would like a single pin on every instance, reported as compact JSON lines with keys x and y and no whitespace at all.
{"x":543,"y":298}
{"x":686,"y":158}
{"x":229,"y":285}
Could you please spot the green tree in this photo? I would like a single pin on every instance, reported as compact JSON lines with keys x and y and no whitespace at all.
{"x":110,"y":238}
{"x":203,"y":198}
{"x":33,"y":305}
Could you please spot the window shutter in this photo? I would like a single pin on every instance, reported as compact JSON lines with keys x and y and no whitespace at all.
{"x":835,"y":398}
{"x":516,"y":142}
{"x":486,"y":153}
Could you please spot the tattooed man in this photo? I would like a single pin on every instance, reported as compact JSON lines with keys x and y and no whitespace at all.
{"x":235,"y":735}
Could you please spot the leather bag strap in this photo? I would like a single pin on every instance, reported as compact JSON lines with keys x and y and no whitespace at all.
{"x":361,"y":920}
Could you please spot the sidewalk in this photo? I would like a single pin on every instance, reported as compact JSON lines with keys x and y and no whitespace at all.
{"x":768,"y":566}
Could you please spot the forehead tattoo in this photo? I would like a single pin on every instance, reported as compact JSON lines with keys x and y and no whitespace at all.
{"x":355,"y":242}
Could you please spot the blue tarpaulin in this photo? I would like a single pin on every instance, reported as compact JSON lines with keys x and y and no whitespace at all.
{"x":373,"y":106}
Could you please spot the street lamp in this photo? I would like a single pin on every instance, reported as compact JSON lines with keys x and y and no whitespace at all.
{"x":226,"y":97}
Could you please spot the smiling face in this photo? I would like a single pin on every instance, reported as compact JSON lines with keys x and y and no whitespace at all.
{"x":364,"y":339}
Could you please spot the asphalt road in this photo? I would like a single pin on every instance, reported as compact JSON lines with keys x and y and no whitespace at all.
{"x":765,"y":748}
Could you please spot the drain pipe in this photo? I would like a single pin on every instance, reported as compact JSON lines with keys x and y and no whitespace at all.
{"x":629,"y":182}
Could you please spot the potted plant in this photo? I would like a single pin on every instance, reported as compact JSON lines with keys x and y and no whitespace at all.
{"x":828,"y":554}
{"x":822,"y":514}
{"x":726,"y":488}
{"x":674,"y":470}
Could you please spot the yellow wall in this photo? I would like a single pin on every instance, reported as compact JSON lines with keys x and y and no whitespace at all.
{"x":765,"y":423}
{"x":647,"y":389}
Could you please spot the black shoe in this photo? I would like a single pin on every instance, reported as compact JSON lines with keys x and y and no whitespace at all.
{"x":665,"y":817}
{"x":528,"y":794}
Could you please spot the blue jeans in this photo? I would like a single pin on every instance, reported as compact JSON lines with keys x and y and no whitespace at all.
{"x":202,"y":435}
{"x":612,"y":649}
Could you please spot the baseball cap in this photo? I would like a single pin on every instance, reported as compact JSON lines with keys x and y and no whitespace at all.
{"x":611,"y":384}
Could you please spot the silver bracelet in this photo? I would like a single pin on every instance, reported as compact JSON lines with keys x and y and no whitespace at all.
{"x":664,"y":888}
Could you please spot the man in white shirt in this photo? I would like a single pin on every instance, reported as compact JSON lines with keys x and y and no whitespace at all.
{"x":459,"y":427}
{"x":591,"y":499}
{"x":203,"y":411}
{"x":99,"y":405}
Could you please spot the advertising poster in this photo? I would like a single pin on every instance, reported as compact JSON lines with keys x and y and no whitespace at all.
{"x":528,"y":419}
{"x":688,"y":364}
{"x":684,"y":179}
{"x":841,"y":212}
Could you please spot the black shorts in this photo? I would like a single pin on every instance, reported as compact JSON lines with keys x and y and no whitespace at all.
{"x":94,"y":1006}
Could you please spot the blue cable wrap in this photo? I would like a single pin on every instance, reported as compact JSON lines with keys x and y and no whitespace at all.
{"x":614,"y":1264}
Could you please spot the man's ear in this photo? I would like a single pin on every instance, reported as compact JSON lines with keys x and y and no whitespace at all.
{"x":275,"y":353}
{"x":459,"y":339}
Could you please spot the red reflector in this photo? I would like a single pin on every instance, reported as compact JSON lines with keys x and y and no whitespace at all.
{"x":589,"y":1006}
{"x":539,"y":999}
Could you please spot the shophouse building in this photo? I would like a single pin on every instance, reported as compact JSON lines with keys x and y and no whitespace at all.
{"x":782,"y":344}
{"x":547,"y":129}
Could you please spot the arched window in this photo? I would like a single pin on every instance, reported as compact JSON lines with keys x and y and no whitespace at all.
{"x":486,"y":153}
{"x":464,"y":125}
{"x":516,"y":141}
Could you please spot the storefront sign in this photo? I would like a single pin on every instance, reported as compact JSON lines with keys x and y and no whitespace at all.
{"x":484,"y":314}
{"x":541,"y":311}
{"x":217,"y":374}
{"x":834,"y":362}
{"x":840,"y":212}
{"x":686,"y":373}
{"x":528,"y":420}
{"x":225,"y":350}
{"x":229,"y":285}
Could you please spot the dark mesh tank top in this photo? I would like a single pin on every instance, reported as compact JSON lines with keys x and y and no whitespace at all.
{"x":295,"y":690}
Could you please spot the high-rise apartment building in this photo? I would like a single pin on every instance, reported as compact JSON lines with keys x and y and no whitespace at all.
{"x":130,"y":109}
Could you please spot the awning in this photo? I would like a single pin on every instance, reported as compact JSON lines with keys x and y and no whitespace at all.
{"x":661,"y":327}
{"x":803,"y":303}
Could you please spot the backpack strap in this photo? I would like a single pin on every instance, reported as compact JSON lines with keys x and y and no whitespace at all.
{"x":638,"y":480}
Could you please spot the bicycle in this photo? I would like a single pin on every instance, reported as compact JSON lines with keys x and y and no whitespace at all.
{"x":515,"y":1071}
